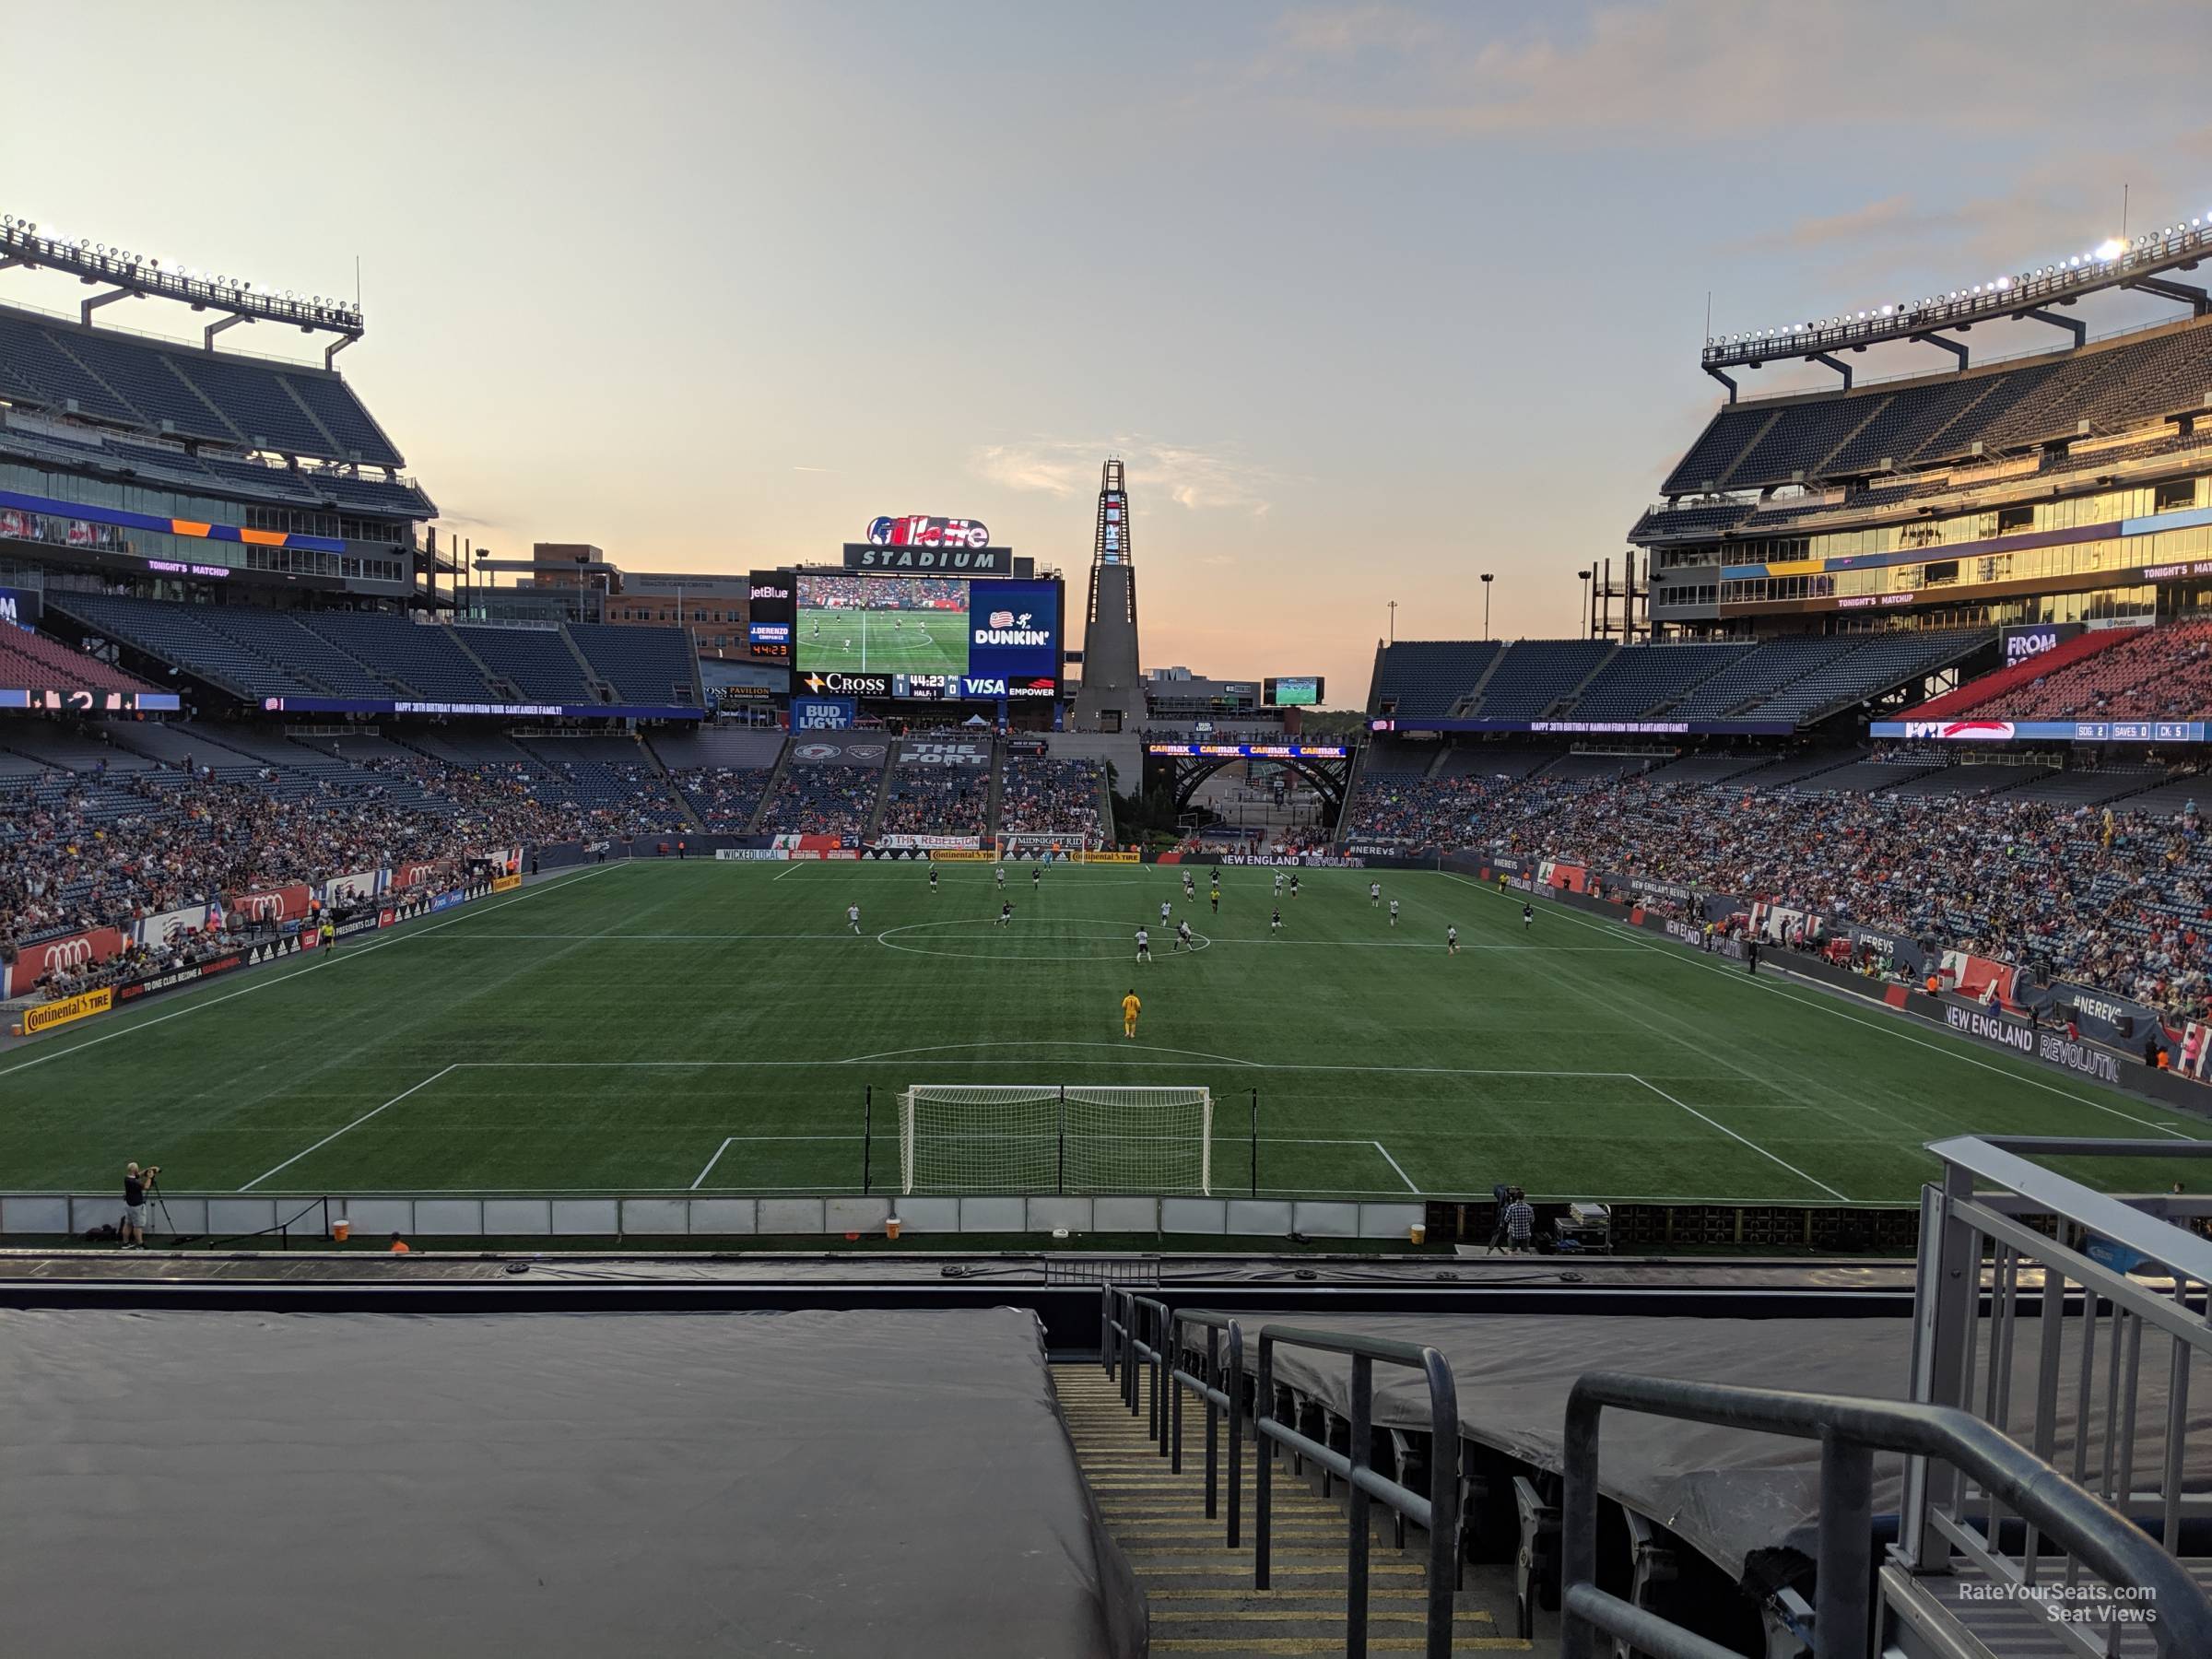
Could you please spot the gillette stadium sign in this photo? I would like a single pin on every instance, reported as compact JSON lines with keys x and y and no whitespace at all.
{"x":919,"y":530}
{"x":2044,"y":730}
{"x":921,"y":543}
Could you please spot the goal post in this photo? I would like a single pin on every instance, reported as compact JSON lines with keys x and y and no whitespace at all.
{"x":1031,"y":1138}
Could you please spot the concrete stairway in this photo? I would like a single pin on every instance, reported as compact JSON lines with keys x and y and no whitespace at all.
{"x":1200,"y":1593}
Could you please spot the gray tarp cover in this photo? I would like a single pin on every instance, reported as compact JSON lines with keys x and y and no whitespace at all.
{"x":245,"y":1484}
{"x":1728,"y":1493}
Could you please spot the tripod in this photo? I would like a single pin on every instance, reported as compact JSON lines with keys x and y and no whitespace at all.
{"x":154,"y":1198}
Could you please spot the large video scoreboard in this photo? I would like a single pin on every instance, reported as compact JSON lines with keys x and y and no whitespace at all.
{"x":951,"y":639}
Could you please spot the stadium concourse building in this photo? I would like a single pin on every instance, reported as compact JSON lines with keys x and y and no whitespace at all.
{"x":1823,"y":562}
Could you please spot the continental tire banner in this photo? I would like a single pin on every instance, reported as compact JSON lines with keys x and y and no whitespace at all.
{"x":1112,"y":858}
{"x":44,"y":1016}
{"x":505,"y":884}
{"x":33,"y":963}
{"x":954,"y":855}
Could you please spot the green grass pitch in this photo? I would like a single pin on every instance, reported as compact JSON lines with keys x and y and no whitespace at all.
{"x":858,"y":641}
{"x":696,"y":1025}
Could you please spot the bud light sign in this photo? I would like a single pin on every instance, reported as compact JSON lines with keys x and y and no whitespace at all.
{"x":821,"y":713}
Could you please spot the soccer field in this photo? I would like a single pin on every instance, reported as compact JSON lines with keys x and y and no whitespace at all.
{"x":860,"y":642}
{"x":713,"y":1027}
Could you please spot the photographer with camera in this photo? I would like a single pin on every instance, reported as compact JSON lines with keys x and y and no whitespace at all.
{"x":135,"y":1182}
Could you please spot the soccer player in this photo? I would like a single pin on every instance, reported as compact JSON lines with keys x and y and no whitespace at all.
{"x":1217,"y":902}
{"x":1188,"y":890}
{"x":1036,"y":879}
{"x":1143,"y":945}
{"x":1294,"y":885}
{"x":1130,"y":1008}
{"x":1000,"y":872}
{"x":1165,"y":911}
{"x":1006,"y":912}
{"x":1393,"y":912}
{"x":1278,"y":884}
{"x":933,"y":878}
{"x":1374,"y":895}
{"x":1183,"y":935}
{"x":1275,"y":923}
{"x":1529,"y":917}
{"x":1450,"y":941}
{"x":853,"y":915}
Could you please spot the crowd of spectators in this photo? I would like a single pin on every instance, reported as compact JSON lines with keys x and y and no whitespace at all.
{"x":882,"y":593}
{"x":1422,"y":812}
{"x":725,"y":799}
{"x":2123,"y":902}
{"x":81,"y":851}
{"x":1040,"y":795}
{"x":937,"y":800}
{"x":2163,"y":673}
{"x":823,"y":800}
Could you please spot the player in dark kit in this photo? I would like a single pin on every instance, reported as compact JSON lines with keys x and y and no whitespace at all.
{"x":1529,"y":917}
{"x":933,"y":878}
{"x":1006,"y":912}
{"x":1275,"y":923}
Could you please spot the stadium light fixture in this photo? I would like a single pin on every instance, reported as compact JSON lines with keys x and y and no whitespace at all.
{"x":2110,"y":248}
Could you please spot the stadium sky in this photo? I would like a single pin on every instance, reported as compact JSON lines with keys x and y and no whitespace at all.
{"x":1372,"y":298}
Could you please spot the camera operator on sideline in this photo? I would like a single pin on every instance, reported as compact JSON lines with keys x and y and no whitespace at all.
{"x":135,"y":1184}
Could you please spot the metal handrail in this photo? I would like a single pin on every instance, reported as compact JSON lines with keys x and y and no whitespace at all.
{"x":1996,"y":1160}
{"x":1438,"y":1511}
{"x":1123,"y":1317}
{"x":1850,"y":1430}
{"x":1222,"y":1388}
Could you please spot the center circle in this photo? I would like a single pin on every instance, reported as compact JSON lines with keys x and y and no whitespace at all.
{"x":1123,"y":938}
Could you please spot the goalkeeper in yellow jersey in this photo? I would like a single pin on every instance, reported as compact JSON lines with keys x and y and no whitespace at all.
{"x":1131,"y":1008}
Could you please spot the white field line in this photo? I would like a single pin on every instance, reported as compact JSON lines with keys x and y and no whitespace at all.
{"x":714,"y":1160}
{"x":333,"y":1135}
{"x":730,"y":1140}
{"x":334,"y":956}
{"x":1889,"y":1026}
{"x":1393,"y":1162}
{"x":1747,"y":1140}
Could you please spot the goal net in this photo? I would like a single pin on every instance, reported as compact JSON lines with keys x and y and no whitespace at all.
{"x":1024,"y":1138}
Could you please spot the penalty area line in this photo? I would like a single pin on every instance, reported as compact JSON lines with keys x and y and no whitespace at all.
{"x":1732,"y":1134}
{"x":333,"y":1135}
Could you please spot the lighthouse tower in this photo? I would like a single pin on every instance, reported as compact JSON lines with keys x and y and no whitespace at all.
{"x":1112,"y":695}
